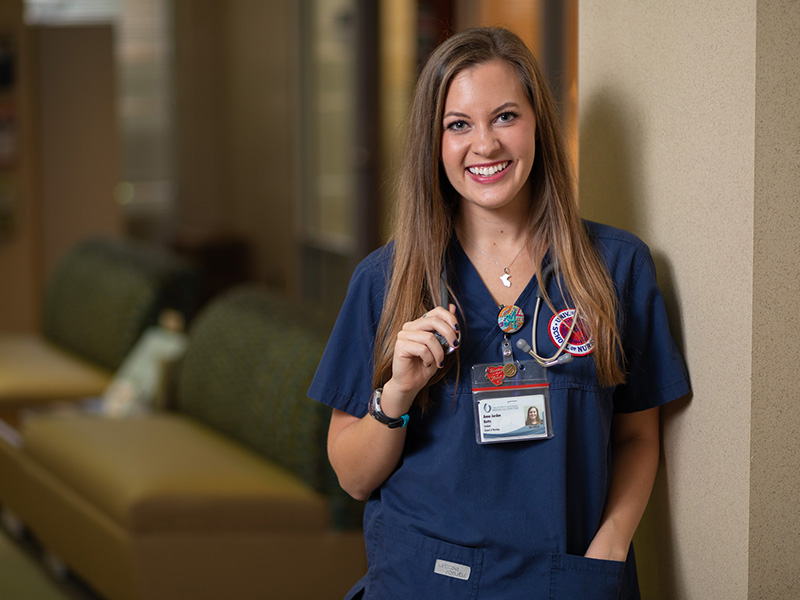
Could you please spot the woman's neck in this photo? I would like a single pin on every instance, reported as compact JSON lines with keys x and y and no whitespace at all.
{"x":491,"y":230}
{"x":500,"y":253}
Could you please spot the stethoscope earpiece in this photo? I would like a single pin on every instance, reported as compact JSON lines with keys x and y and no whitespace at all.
{"x":523,"y":345}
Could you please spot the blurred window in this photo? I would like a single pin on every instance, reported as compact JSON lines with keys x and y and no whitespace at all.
{"x":328,"y":219}
{"x":63,"y":12}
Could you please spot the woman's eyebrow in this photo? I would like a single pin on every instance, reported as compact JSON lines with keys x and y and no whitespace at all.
{"x":497,"y":110}
{"x":504,"y":107}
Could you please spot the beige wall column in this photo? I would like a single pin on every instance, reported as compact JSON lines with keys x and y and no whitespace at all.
{"x":775,"y":420}
{"x":689,"y":125}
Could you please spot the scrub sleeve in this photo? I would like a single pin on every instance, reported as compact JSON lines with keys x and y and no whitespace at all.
{"x":503,"y":521}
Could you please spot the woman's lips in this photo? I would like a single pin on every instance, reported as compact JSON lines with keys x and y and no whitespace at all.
{"x":488,"y":173}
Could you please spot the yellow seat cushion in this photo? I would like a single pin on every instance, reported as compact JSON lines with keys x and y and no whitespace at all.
{"x":34,"y":370}
{"x":164,"y":472}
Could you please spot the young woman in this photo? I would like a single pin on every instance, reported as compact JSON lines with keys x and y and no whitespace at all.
{"x":424,"y":371}
{"x":533,"y":417}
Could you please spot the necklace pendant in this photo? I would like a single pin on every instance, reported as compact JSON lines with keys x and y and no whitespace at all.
{"x":505,"y":277}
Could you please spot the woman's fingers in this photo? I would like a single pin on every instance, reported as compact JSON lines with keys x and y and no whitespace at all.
{"x":442,"y":324}
{"x":417,"y":356}
{"x":420,"y":344}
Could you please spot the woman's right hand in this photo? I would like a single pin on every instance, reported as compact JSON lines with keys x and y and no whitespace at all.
{"x":418,"y":354}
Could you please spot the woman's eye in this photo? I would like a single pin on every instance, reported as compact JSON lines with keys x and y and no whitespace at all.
{"x":456,"y":126}
{"x":506,"y":117}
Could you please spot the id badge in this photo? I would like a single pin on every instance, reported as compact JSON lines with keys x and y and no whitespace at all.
{"x":511,"y":404}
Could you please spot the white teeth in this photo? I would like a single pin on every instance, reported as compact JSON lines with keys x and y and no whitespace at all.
{"x":488,"y":171}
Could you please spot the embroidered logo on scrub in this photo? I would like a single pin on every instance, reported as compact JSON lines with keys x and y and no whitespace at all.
{"x":580,"y":342}
{"x":451,"y":569}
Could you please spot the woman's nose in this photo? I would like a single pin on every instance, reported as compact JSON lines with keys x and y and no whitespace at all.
{"x":486,"y":141}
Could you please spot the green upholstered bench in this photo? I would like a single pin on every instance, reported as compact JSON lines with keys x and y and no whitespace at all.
{"x":103,"y":294}
{"x":229,"y":495}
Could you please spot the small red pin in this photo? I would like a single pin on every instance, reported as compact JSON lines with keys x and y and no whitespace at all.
{"x":495,"y":374}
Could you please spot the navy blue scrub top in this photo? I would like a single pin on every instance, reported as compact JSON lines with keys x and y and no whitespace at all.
{"x":519,"y":515}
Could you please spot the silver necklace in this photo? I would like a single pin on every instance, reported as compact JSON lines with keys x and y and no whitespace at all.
{"x":506,"y":275}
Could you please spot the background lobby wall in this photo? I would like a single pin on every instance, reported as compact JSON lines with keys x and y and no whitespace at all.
{"x":237,"y":123}
{"x":20,"y":275}
{"x":66,"y":161}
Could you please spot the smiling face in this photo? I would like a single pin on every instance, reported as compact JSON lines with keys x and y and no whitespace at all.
{"x":488,"y":139}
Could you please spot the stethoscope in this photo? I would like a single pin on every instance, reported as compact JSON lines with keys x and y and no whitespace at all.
{"x":560,"y":357}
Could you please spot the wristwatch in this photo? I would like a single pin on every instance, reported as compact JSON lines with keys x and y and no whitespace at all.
{"x":377,"y":413}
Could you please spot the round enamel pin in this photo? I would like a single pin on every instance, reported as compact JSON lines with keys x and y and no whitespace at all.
{"x":509,"y":369}
{"x":580,"y":342}
{"x":510,"y":318}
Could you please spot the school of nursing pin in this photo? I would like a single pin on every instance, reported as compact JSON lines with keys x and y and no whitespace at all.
{"x":510,"y":318}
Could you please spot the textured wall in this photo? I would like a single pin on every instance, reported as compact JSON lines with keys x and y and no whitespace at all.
{"x":774,"y":480}
{"x":668,"y":151}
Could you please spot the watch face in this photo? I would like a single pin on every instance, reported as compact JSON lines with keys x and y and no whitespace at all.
{"x":373,"y":402}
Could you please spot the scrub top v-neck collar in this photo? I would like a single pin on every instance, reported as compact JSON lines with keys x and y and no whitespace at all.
{"x":481,"y":327}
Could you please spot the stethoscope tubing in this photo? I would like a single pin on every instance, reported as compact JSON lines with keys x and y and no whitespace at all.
{"x":559,"y":358}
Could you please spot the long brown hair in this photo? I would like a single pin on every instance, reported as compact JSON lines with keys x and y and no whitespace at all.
{"x":428,"y":205}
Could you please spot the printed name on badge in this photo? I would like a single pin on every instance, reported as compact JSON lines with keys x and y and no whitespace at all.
{"x":580,"y":342}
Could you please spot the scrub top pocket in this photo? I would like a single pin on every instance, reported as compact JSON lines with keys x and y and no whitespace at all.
{"x":585,"y":578}
{"x":407,"y":565}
